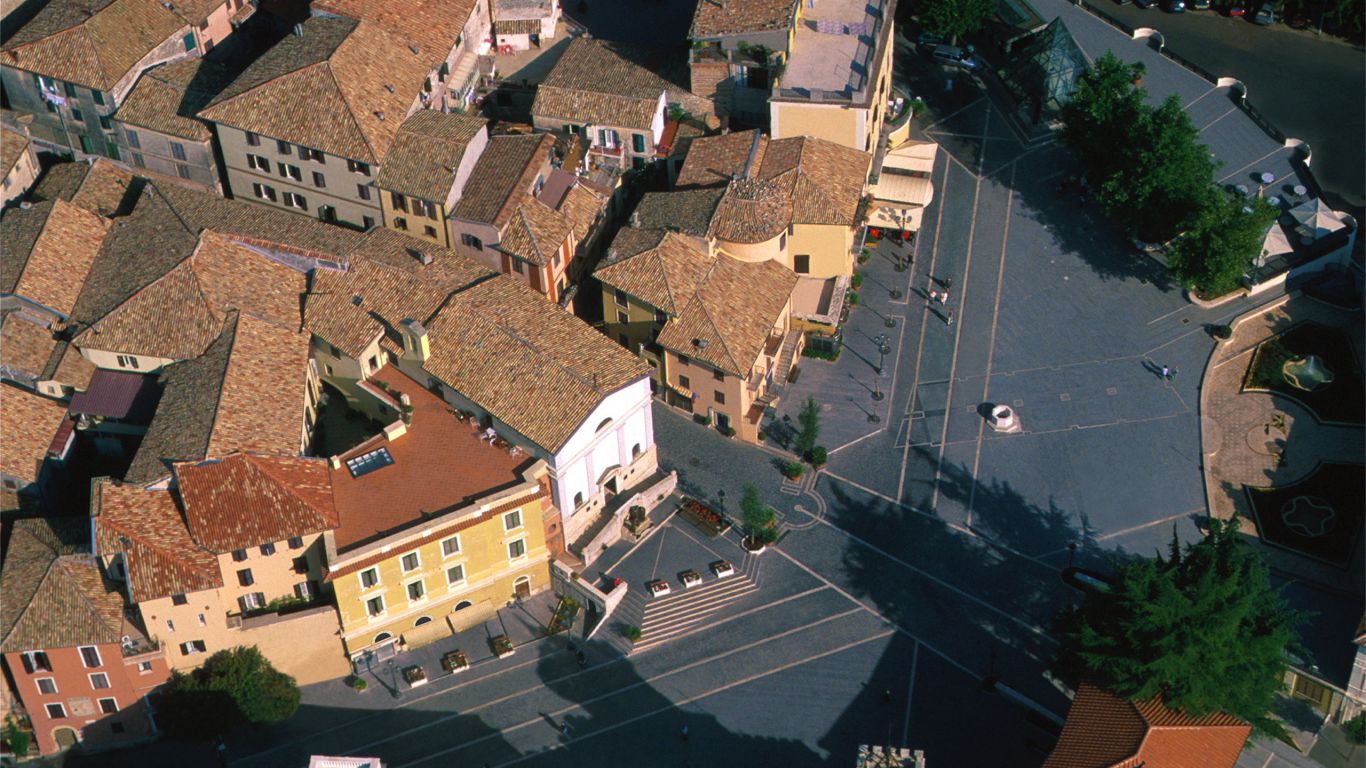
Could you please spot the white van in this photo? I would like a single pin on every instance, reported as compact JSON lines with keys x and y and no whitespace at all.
{"x":954,"y":56}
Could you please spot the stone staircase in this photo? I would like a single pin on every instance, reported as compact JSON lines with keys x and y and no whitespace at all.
{"x":787,"y":357}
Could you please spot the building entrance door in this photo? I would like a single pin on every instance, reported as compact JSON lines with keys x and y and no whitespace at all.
{"x":522,"y":589}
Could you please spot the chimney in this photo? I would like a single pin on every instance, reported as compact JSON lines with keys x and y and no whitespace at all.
{"x":298,"y":30}
{"x":415,"y":341}
{"x":635,"y":219}
{"x":334,"y":462}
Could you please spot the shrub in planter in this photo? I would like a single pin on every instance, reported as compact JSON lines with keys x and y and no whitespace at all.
{"x":702,"y":419}
{"x":817,"y":457}
{"x":1356,"y":729}
{"x":853,"y":299}
{"x":864,"y":255}
{"x":793,"y":469}
{"x":728,"y":431}
{"x":762,"y":435}
{"x":856,"y":281}
{"x":1221,"y":331}
{"x":359,"y":684}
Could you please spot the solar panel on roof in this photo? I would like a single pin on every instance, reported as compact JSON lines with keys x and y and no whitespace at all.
{"x":366,"y":463}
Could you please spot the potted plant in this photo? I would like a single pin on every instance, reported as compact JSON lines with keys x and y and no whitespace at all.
{"x":358,"y":683}
{"x":793,"y":470}
{"x":817,"y":457}
{"x":502,"y":646}
{"x":632,"y":633}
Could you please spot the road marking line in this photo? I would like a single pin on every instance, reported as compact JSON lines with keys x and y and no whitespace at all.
{"x":648,"y":535}
{"x":924,"y":326}
{"x":910,"y":692}
{"x":644,"y":682}
{"x":955,"y":113}
{"x":645,"y":715}
{"x":958,"y":331}
{"x":1133,"y":529}
{"x":991,"y":343}
{"x":1249,"y":165}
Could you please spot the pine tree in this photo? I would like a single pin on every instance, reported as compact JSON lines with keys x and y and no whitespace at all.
{"x":810,"y":420}
{"x":1203,"y":628}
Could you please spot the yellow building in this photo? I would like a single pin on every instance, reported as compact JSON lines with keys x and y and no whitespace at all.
{"x":438,"y":528}
{"x":425,"y":172}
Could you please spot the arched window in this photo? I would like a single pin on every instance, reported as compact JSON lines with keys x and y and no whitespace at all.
{"x":462,"y":605}
{"x":635,"y":451}
{"x":605,"y":423}
{"x":381,"y":637}
{"x":578,"y":499}
{"x":422,"y":620}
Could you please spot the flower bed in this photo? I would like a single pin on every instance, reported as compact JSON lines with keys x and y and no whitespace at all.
{"x":705,"y":517}
{"x":502,"y":646}
{"x":722,"y":569}
{"x":658,"y":588}
{"x":455,"y":661}
{"x":690,"y":578}
{"x":414,"y":676}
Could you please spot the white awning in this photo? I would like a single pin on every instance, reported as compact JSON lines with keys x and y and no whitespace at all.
{"x":909,"y":190}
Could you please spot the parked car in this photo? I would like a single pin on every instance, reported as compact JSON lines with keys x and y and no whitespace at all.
{"x":1235,"y":10}
{"x":954,"y":56}
{"x":1176,"y":6}
{"x":1143,"y":3}
{"x":1266,"y":15}
{"x":926,"y":37}
{"x":1122,"y":2}
{"x":1199,"y":5}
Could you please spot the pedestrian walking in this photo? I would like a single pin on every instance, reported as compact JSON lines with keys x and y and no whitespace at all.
{"x":684,"y":733}
{"x":948,"y":319}
{"x":944,"y":297}
{"x":1173,"y":373}
{"x":564,"y":728}
{"x":934,"y":296}
{"x":1166,"y":373}
{"x":948,"y":283}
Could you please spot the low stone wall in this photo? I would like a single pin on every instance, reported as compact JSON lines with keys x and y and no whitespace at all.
{"x":567,"y":583}
{"x":648,"y":497}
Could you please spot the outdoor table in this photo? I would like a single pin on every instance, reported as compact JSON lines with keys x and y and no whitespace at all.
{"x":1267,"y":178}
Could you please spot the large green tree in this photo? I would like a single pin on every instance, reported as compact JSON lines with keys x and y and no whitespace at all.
{"x":955,"y":18}
{"x":1101,"y":115}
{"x":233,"y":686}
{"x":1204,"y":628}
{"x":1221,"y":244}
{"x":809,"y":423}
{"x":758,"y":516}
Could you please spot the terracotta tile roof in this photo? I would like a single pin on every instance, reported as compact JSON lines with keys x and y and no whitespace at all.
{"x":535,"y":232}
{"x":56,"y":266}
{"x":733,"y":311}
{"x":664,"y":276}
{"x":179,"y":314}
{"x":593,"y":82}
{"x":93,"y":43}
{"x":504,"y":347}
{"x":146,"y":527}
{"x":824,"y":180}
{"x":689,"y":211}
{"x":55,"y":595}
{"x":438,"y":464}
{"x":431,"y":24}
{"x":718,"y":159}
{"x":751,"y":211}
{"x":517,"y":27}
{"x":26,"y":344}
{"x":17,"y":237}
{"x":427,"y":152}
{"x":384,"y":284}
{"x":68,"y":366}
{"x":583,"y":207}
{"x":504,"y":173}
{"x":718,"y":18}
{"x":1105,"y":731}
{"x":100,"y":187}
{"x":13,"y":145}
{"x":26,"y":431}
{"x":245,"y":500}
{"x":167,"y":98}
{"x":358,"y":79}
{"x":245,"y":393}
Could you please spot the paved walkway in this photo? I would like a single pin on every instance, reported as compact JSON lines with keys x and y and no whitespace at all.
{"x":1244,"y":434}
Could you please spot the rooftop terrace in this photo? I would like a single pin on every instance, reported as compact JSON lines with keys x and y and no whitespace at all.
{"x":833,"y":50}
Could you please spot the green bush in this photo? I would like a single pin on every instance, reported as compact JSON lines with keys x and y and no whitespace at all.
{"x":727,"y":430}
{"x":233,"y":687}
{"x":1221,"y":331}
{"x":864,"y":255}
{"x":359,"y":683}
{"x":853,"y":299}
{"x":760,"y":521}
{"x":821,"y":354}
{"x":793,"y":469}
{"x":17,"y":738}
{"x":632,"y":633}
{"x":856,"y":281}
{"x":1356,"y":729}
{"x":817,"y":457}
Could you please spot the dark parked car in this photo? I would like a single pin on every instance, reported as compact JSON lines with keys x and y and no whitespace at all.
{"x":1143,"y":3}
{"x":1199,"y":5}
{"x":1176,"y":6}
{"x":1235,"y":10}
{"x":1265,"y":16}
{"x":929,"y":38}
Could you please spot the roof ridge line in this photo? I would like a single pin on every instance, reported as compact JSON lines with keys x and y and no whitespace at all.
{"x":706,"y":311}
{"x":350,"y":108}
{"x":535,"y":350}
{"x":84,"y":596}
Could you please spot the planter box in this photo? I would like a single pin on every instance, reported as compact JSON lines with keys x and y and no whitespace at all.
{"x":704,"y":517}
{"x":502,"y":646}
{"x":690,"y":578}
{"x":658,"y":588}
{"x":414,"y":676}
{"x":722,"y":569}
{"x":455,"y":661}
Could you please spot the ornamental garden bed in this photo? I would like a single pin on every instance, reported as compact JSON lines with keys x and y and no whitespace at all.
{"x":1341,"y":400}
{"x":658,"y":588}
{"x":414,"y":676}
{"x":455,"y":661}
{"x":722,"y":569}
{"x":709,"y":520}
{"x":1319,"y":516}
{"x":690,"y":578}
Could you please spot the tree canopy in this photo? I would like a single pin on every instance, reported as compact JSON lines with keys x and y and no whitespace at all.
{"x":1222,"y":243}
{"x":758,"y":516}
{"x":1204,"y":628}
{"x":233,"y":686}
{"x":955,"y":18}
{"x":809,"y":419}
{"x":1145,"y":163}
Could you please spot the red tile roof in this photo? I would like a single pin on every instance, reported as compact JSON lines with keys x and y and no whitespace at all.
{"x":26,"y":431}
{"x":1105,"y":731}
{"x":146,"y":527}
{"x":438,"y":464}
{"x":246,"y":500}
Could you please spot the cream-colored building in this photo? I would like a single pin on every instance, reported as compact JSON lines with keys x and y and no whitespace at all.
{"x":18,"y":163}
{"x":426,"y":170}
{"x":438,"y":528}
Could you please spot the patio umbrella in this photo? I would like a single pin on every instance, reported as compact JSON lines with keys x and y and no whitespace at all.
{"x":1314,"y":219}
